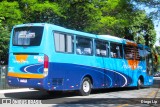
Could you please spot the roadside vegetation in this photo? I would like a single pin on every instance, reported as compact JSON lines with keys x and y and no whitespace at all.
{"x":121,"y":18}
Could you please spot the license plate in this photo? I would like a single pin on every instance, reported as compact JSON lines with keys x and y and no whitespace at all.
{"x":23,"y":80}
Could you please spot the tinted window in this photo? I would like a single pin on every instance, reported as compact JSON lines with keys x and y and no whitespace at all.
{"x":131,"y":52}
{"x":27,"y":36}
{"x":101,"y":48}
{"x":143,"y":53}
{"x":63,"y":42}
{"x":116,"y":50}
{"x":84,"y":46}
{"x":149,"y":61}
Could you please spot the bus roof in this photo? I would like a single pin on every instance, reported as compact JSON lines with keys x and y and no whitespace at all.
{"x":74,"y":32}
{"x":63,"y":29}
{"x":111,"y":38}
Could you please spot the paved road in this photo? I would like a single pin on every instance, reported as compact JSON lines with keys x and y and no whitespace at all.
{"x":119,"y":97}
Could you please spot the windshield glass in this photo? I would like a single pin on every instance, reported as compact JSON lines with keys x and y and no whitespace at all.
{"x":27,"y":36}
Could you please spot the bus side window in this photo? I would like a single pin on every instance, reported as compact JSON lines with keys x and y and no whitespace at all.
{"x":116,"y":50}
{"x":129,"y":52}
{"x":101,"y":48}
{"x":141,"y":54}
{"x":63,"y":42}
{"x":137,"y":53}
{"x":83,"y":46}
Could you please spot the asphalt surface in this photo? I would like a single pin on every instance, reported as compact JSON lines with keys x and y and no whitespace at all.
{"x":119,"y":97}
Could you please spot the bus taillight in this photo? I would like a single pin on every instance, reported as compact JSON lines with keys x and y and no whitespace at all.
{"x":46,"y":62}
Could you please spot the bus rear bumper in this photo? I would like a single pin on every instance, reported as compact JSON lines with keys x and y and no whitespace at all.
{"x":40,"y":84}
{"x":26,"y":82}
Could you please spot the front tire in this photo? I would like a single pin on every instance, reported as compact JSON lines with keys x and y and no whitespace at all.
{"x":85,"y":87}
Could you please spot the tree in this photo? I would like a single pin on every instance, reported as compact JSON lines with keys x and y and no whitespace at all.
{"x":114,"y":17}
{"x":40,"y":11}
{"x":96,"y":16}
{"x":142,"y":29}
{"x":4,"y":41}
{"x":158,"y":49}
{"x":11,"y":14}
{"x":157,"y":53}
{"x":80,"y":14}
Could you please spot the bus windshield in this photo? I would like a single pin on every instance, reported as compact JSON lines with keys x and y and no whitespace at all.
{"x":27,"y":36}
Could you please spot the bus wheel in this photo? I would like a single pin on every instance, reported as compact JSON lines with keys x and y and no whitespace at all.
{"x":140,"y":84}
{"x":85,"y":87}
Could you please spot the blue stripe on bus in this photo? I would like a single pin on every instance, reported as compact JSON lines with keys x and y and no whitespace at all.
{"x":33,"y":68}
{"x":100,"y":76}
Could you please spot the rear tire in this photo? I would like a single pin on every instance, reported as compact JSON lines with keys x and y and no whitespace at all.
{"x":85,"y":87}
{"x":139,"y":84}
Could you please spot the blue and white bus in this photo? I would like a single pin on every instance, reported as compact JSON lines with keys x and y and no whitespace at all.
{"x":52,"y":58}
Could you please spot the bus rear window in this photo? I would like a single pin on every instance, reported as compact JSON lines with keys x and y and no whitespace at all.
{"x":27,"y":36}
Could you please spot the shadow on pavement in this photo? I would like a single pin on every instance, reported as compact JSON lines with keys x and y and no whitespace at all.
{"x":61,"y":100}
{"x":43,"y":95}
{"x":39,"y":95}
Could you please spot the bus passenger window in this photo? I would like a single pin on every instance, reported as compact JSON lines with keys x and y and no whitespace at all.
{"x":98,"y":52}
{"x":116,"y":50}
{"x":101,"y":48}
{"x":142,"y":54}
{"x":27,"y":36}
{"x":131,"y":52}
{"x":84,"y":46}
{"x":63,"y":42}
{"x":87,"y":51}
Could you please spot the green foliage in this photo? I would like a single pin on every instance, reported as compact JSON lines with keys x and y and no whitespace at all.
{"x":37,"y":11}
{"x":80,"y":15}
{"x":11,"y":13}
{"x":157,"y":65}
{"x":142,"y":29}
{"x":114,"y":17}
{"x":156,"y":52}
{"x":157,"y":49}
{"x":158,"y":68}
{"x":4,"y":41}
{"x":100,"y":17}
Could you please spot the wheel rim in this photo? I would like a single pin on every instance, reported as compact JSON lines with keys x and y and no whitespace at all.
{"x":139,"y":82}
{"x":86,"y":86}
